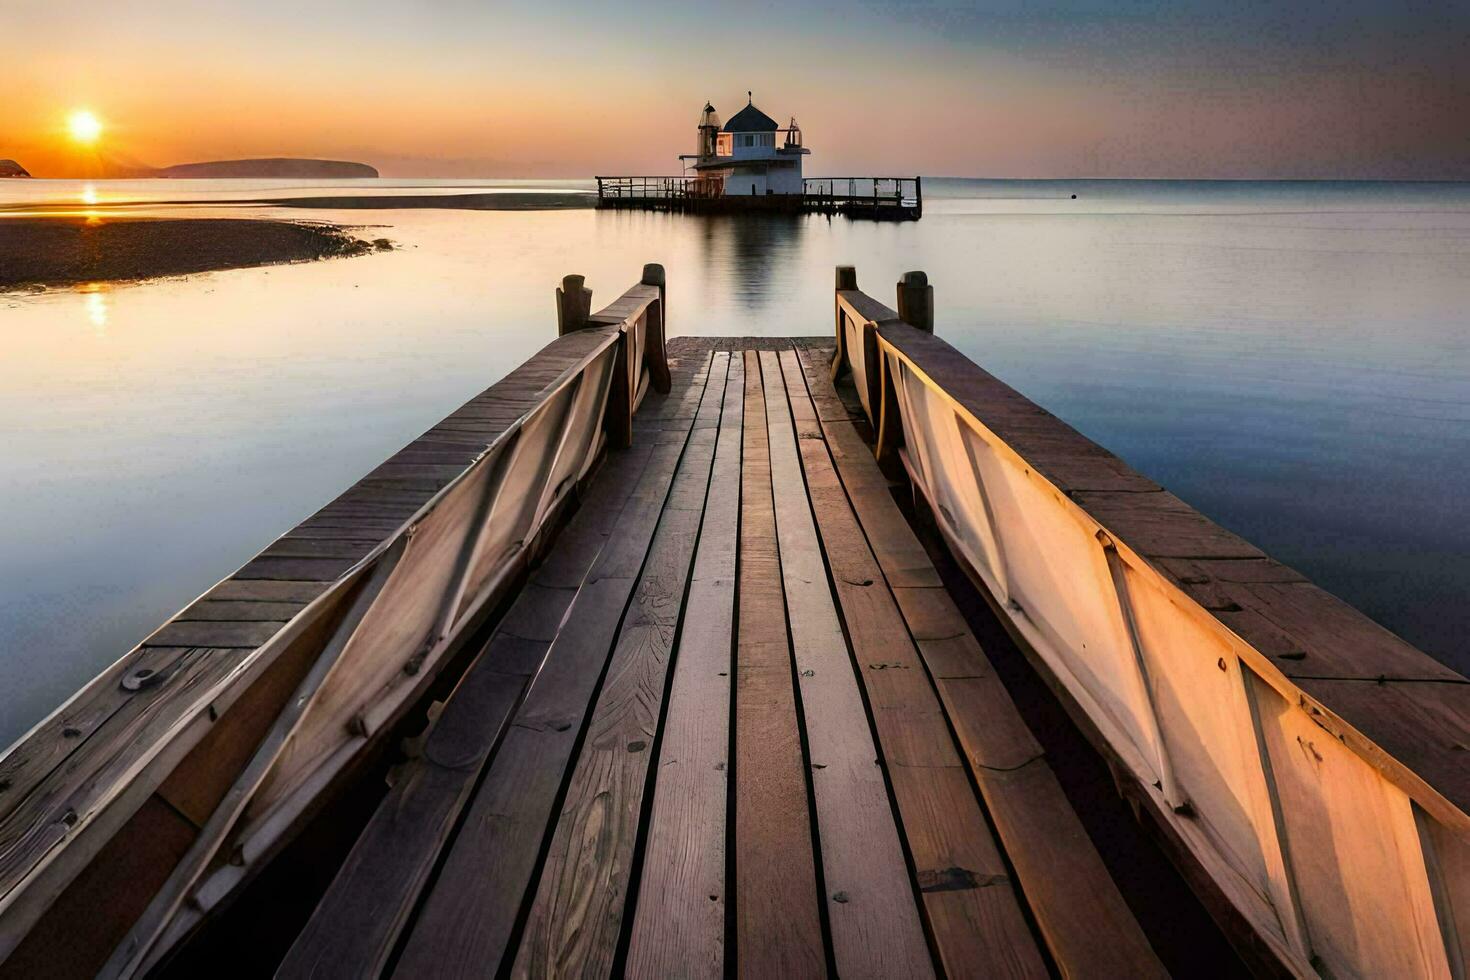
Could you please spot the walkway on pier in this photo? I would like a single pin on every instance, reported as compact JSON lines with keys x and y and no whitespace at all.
{"x":733,"y":720}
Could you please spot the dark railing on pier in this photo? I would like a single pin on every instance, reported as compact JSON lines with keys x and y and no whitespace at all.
{"x":652,"y":189}
{"x":846,"y":195}
{"x":883,"y":198}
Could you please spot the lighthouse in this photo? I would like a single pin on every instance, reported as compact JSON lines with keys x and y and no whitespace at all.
{"x":750,"y":156}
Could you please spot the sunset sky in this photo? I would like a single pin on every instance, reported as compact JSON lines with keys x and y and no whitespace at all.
{"x":1002,"y":88}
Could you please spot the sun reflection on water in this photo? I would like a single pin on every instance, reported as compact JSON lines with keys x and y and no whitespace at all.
{"x":94,"y":300}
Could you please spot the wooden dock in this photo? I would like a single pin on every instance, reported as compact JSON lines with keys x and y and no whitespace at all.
{"x":689,"y":696}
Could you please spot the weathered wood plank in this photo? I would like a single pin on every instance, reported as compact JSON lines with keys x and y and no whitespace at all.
{"x":465,"y":926}
{"x":875,"y":923}
{"x":974,"y":913}
{"x":211,"y":610}
{"x":1160,"y":525}
{"x":354,"y":928}
{"x":352,"y":932}
{"x":295,"y":569}
{"x":679,"y":924}
{"x":266,"y":590}
{"x":313,"y":547}
{"x":466,"y":923}
{"x":74,"y":723}
{"x":214,"y":633}
{"x":73,"y":789}
{"x":777,"y":926}
{"x":1332,"y":638}
{"x":576,"y":917}
{"x":831,"y":404}
{"x":1071,"y":895}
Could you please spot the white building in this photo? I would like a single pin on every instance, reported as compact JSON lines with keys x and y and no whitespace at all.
{"x":749,"y":155}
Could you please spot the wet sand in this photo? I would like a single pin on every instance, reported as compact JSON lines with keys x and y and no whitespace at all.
{"x":37,"y":252}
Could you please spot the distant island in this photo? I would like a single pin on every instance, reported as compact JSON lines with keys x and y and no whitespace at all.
{"x":9,"y":168}
{"x":269,"y":167}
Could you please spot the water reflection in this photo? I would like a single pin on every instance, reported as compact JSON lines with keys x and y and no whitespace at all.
{"x":743,"y":252}
{"x":95,"y":301}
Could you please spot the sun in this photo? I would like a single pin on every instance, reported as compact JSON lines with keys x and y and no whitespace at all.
{"x":83,"y":126}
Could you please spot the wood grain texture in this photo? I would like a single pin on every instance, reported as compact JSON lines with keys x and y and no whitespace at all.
{"x":974,"y":914}
{"x":1062,"y":878}
{"x":679,"y":924}
{"x":72,"y":790}
{"x":576,"y":917}
{"x":362,"y":914}
{"x":466,"y":925}
{"x":875,"y":924}
{"x":777,"y":928}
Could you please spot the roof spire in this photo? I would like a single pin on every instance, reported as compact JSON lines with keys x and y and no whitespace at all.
{"x":749,"y":99}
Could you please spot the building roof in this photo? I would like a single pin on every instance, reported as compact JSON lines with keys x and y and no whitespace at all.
{"x":750,"y":120}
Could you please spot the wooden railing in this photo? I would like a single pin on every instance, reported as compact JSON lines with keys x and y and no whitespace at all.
{"x":247,"y":750}
{"x":900,"y":198}
{"x":644,"y":188}
{"x":1307,"y":767}
{"x":874,"y":191}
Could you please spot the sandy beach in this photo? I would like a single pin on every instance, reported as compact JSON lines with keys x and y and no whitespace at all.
{"x":37,"y":252}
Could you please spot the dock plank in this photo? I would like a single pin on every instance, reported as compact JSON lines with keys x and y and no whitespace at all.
{"x":778,"y":930}
{"x":576,"y":917}
{"x":973,"y":909}
{"x":1070,"y":893}
{"x":465,"y":926}
{"x":875,"y":924}
{"x":240,"y":612}
{"x":679,"y":923}
{"x":356,"y":924}
{"x":214,"y":633}
{"x":72,"y":789}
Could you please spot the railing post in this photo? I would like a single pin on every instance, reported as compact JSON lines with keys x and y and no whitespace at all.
{"x":573,"y":305}
{"x":846,"y":279}
{"x":655,"y":351}
{"x":916,"y":301}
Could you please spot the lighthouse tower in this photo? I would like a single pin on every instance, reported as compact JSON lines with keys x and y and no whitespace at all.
{"x":709,"y":128}
{"x":751,"y":155}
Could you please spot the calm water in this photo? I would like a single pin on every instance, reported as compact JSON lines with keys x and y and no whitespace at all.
{"x":1292,"y":359}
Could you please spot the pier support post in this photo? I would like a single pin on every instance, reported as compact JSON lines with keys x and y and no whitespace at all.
{"x":916,"y":301}
{"x":846,"y":280}
{"x":658,"y":358}
{"x":573,"y":305}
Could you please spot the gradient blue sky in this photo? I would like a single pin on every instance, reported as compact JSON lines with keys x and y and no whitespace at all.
{"x":553,"y":88}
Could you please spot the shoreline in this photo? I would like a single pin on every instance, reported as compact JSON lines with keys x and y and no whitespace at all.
{"x":476,"y":201}
{"x":37,"y":253}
